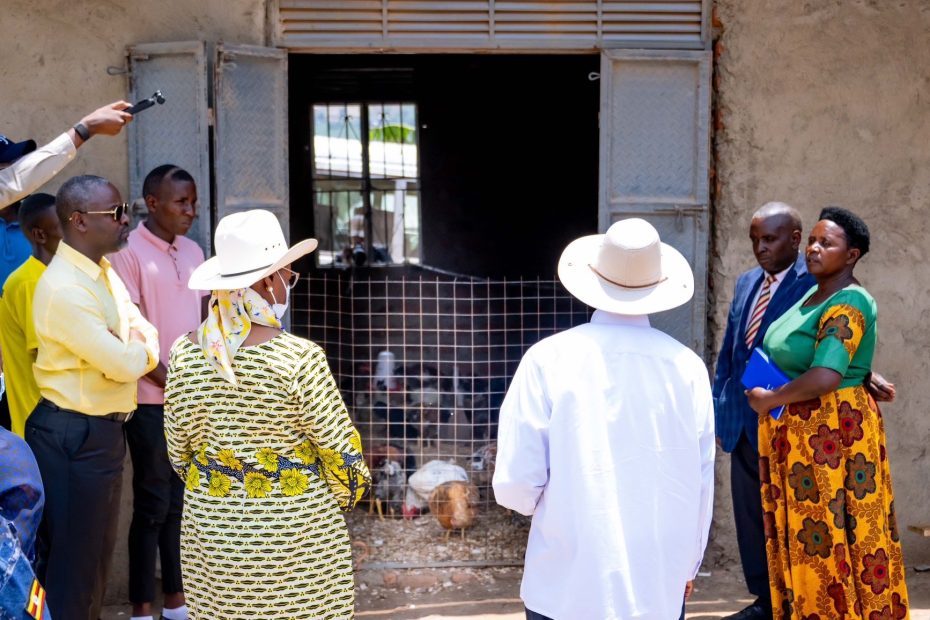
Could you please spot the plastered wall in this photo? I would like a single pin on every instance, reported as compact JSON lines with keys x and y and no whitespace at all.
{"x":54,"y":56}
{"x":828,"y":102}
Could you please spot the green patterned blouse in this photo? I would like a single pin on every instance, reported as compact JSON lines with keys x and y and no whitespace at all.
{"x":822,"y":336}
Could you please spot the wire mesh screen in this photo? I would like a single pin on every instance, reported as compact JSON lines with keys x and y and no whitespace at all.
{"x":423,"y":363}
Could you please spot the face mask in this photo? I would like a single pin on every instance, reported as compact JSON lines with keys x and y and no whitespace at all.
{"x":280,"y":309}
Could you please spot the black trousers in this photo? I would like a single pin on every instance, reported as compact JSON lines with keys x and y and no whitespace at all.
{"x":5,"y":421}
{"x":157,"y":504}
{"x":80,"y":458}
{"x":747,"y":510}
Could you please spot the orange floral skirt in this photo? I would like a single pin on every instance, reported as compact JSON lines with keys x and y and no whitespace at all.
{"x":831,"y":533}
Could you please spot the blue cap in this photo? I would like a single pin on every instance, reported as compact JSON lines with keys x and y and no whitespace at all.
{"x":11,"y":151}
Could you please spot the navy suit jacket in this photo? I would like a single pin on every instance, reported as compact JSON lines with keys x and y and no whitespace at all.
{"x":732,"y":413}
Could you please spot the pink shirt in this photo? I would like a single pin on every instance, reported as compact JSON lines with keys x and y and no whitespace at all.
{"x":155,"y":273}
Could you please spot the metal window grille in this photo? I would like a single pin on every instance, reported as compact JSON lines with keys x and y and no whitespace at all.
{"x":423,"y":363}
{"x":366,"y":185}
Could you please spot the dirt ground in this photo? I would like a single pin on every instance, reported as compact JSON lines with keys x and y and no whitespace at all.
{"x":494,"y":594}
{"x":477,"y":577}
{"x":497,"y":536}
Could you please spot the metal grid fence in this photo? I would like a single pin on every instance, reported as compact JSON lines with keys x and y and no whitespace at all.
{"x":423,"y":362}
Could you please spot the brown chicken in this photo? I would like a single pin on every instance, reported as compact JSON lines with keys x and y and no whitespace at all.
{"x":378,"y":453}
{"x":455,"y":504}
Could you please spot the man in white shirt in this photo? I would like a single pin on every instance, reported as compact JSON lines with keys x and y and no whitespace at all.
{"x":23,"y":168}
{"x":607,"y":440}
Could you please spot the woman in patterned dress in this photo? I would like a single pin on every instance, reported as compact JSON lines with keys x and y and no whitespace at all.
{"x":831,"y":534}
{"x":258,"y":430}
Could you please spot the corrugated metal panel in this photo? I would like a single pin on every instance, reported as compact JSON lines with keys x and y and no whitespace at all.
{"x":251,"y":130}
{"x":178,"y":131}
{"x":464,"y":25}
{"x":655,"y":147}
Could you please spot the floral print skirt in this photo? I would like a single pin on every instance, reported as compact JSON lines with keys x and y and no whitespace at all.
{"x":831,"y":533}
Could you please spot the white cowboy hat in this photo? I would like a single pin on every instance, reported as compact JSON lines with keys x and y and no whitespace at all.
{"x":249,"y":246}
{"x":628,"y":270}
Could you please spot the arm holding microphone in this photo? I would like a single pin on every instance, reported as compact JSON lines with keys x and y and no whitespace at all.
{"x":26,"y":174}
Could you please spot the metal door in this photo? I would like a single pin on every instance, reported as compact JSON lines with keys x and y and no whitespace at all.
{"x":250,"y":161}
{"x":654,"y":152}
{"x":178,"y":131}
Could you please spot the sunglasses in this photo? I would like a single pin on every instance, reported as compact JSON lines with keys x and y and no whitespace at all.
{"x":117,"y":212}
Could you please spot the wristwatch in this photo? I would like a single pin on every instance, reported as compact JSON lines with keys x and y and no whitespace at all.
{"x":81,"y":130}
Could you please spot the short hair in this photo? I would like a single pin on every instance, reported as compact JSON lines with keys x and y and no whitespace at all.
{"x":776,"y":209}
{"x":154,"y":178}
{"x":33,"y":207}
{"x":75,"y":193}
{"x":857,"y":233}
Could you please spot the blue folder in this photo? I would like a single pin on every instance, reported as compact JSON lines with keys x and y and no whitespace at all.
{"x":763,"y":372}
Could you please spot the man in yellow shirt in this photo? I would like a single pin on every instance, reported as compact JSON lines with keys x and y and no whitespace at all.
{"x":93,"y":345}
{"x":39,"y":222}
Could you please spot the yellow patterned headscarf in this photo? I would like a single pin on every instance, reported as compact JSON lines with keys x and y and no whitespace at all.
{"x":230,"y":315}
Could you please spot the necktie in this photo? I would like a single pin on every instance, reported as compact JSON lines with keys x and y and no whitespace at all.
{"x":755,"y":319}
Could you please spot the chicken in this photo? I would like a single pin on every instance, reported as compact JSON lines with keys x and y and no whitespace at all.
{"x":389,"y":487}
{"x":396,"y":420}
{"x":481,"y":465}
{"x":388,"y":481}
{"x":455,"y":504}
{"x":378,"y":453}
{"x":414,"y":505}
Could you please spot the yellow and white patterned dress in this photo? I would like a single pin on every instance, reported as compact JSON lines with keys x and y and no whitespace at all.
{"x":269,"y":465}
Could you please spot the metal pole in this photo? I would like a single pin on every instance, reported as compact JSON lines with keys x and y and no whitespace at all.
{"x":366,"y":185}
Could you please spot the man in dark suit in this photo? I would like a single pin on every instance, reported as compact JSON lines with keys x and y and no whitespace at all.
{"x":775,"y":232}
{"x":762,"y":295}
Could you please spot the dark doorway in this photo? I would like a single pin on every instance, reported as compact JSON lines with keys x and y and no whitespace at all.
{"x":508,"y":151}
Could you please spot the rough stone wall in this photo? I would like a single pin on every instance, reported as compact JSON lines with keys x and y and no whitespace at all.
{"x":54,"y":56}
{"x":828,"y":102}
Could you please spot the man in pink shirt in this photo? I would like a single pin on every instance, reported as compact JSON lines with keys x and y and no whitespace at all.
{"x":155,"y":266}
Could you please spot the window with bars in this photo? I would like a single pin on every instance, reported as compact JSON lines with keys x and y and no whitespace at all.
{"x":366,"y":183}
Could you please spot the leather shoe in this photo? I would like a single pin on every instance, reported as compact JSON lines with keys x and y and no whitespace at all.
{"x":756,"y":611}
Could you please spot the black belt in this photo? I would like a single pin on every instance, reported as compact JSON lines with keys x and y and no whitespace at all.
{"x":114,"y":417}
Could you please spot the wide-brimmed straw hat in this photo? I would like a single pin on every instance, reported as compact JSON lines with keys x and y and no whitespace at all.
{"x":249,"y":246}
{"x":628,"y":270}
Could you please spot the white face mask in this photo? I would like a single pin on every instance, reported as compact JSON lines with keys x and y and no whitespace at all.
{"x":280,"y":309}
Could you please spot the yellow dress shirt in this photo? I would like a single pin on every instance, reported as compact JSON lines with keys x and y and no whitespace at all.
{"x":80,"y":364}
{"x":18,"y":341}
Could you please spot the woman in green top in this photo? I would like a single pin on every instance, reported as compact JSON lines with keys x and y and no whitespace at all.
{"x":831,"y":534}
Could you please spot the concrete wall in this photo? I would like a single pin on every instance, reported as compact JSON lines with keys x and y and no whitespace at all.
{"x":54,"y":56}
{"x":826,"y":102}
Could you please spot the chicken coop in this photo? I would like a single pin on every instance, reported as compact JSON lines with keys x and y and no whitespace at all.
{"x":424,"y":361}
{"x":442,"y":188}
